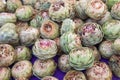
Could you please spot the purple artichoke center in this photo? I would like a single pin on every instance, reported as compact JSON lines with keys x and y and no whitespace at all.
{"x":20,"y":66}
{"x":96,"y":4}
{"x":72,"y":75}
{"x":44,"y":14}
{"x":45,"y":43}
{"x":58,"y":5}
{"x":47,"y":28}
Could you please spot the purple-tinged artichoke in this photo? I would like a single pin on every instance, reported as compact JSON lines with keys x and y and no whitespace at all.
{"x":69,"y":41}
{"x":7,"y":18}
{"x":91,"y":34}
{"x":115,"y":11}
{"x":99,"y":71}
{"x":106,"y":49}
{"x":111,"y":29}
{"x":2,"y":6}
{"x":114,"y":64}
{"x":116,"y":46}
{"x":96,"y":9}
{"x":49,"y":29}
{"x":81,"y":58}
{"x":42,"y":68}
{"x":8,"y":34}
{"x":74,"y":75}
{"x":59,"y":11}
{"x":24,"y":13}
{"x":12,"y":5}
{"x":28,"y":36}
{"x":45,"y":48}
{"x":22,"y":70}
{"x":63,"y":63}
{"x":7,"y":55}
{"x":5,"y":73}
{"x":29,"y":2}
{"x":23,"y":53}
{"x":49,"y":78}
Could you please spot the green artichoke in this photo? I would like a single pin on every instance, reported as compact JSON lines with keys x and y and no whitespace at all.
{"x":23,"y":53}
{"x":29,"y":2}
{"x":111,"y":29}
{"x":45,"y":48}
{"x":115,"y":11}
{"x":81,"y":58}
{"x":42,"y":68}
{"x":114,"y":64}
{"x":74,"y":75}
{"x":7,"y":18}
{"x":5,"y":73}
{"x":96,"y":9}
{"x":22,"y":70}
{"x":91,"y":34}
{"x":2,"y":6}
{"x":49,"y":29}
{"x":116,"y":46}
{"x":12,"y":5}
{"x":49,"y":78}
{"x":67,"y":25}
{"x":63,"y":63}
{"x":7,"y":55}
{"x":68,"y":41}
{"x":24,"y":13}
{"x":99,"y":71}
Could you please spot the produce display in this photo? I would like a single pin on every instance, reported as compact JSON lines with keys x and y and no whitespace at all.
{"x":59,"y":39}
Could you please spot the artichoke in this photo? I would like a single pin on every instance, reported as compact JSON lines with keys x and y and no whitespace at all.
{"x":2,"y":6}
{"x":29,"y":2}
{"x":74,"y":75}
{"x":12,"y":5}
{"x":7,"y":18}
{"x":106,"y":49}
{"x":63,"y":63}
{"x":22,"y":70}
{"x":90,"y":20}
{"x":96,"y":9}
{"x":28,"y":36}
{"x":91,"y":34}
{"x":7,"y":55}
{"x":115,"y":11}
{"x":24,"y":13}
{"x":59,"y":11}
{"x":116,"y":46}
{"x":42,"y":68}
{"x":49,"y":29}
{"x":111,"y":29}
{"x":45,"y":48}
{"x":8,"y":34}
{"x":99,"y":71}
{"x":23,"y":53}
{"x":114,"y":64}
{"x":67,"y":25}
{"x":5,"y":73}
{"x":68,"y":41}
{"x":49,"y":78}
{"x":81,"y":58}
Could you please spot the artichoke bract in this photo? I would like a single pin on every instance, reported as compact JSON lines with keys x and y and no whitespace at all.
{"x":7,"y":55}
{"x":74,"y":75}
{"x":116,"y":46}
{"x":111,"y":29}
{"x":114,"y":64}
{"x":7,"y":18}
{"x":8,"y":34}
{"x":5,"y":73}
{"x":29,"y":2}
{"x":2,"y":6}
{"x":81,"y":58}
{"x":22,"y":70}
{"x":28,"y":36}
{"x":80,"y":7}
{"x":45,"y":48}
{"x":23,"y":53}
{"x":67,"y":25}
{"x":106,"y":49}
{"x":91,"y":34}
{"x":49,"y":78}
{"x":68,"y":41}
{"x":63,"y":63}
{"x":59,"y":11}
{"x":12,"y":5}
{"x":49,"y":29}
{"x":115,"y":11}
{"x":42,"y":68}
{"x":24,"y":13}
{"x":96,"y":9}
{"x":99,"y":71}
